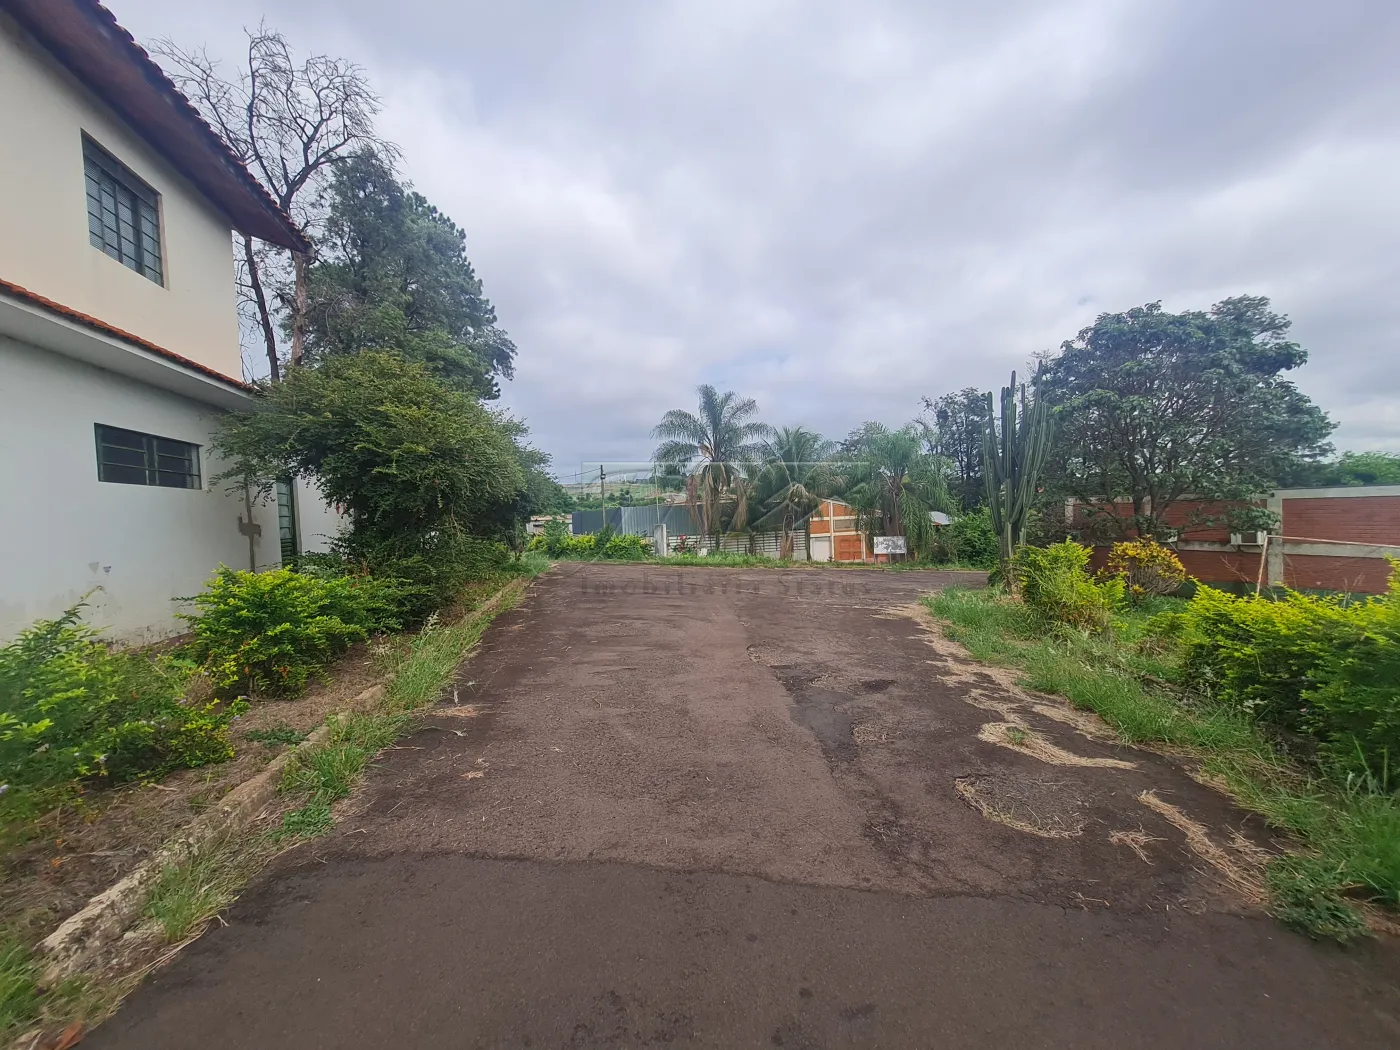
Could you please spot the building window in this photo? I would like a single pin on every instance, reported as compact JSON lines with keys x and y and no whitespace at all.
{"x":287,"y":521}
{"x":130,"y":458}
{"x":123,"y":212}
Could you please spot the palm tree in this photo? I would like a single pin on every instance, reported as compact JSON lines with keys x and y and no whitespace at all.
{"x":716,"y":442}
{"x":894,"y":484}
{"x":787,"y":487}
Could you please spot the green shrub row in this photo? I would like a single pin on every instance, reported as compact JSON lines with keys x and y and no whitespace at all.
{"x":1318,"y":668}
{"x":72,"y":709}
{"x":269,"y":632}
{"x":557,"y":543}
{"x":1322,"y":667}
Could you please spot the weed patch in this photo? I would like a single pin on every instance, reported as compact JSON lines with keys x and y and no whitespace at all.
{"x":275,"y":735}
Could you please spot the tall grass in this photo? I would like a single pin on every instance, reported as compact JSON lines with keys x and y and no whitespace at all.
{"x":1348,"y":831}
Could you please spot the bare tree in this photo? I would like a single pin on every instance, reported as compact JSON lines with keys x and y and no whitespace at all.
{"x":289,"y":122}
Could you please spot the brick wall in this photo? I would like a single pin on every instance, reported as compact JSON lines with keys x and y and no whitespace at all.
{"x":1308,"y":514}
{"x":1355,"y":575}
{"x":1368,"y":519}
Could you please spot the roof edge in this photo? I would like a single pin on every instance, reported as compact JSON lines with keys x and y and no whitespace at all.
{"x":33,"y":16}
{"x":88,"y":321}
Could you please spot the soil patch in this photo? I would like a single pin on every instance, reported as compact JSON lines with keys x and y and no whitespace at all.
{"x":81,"y":850}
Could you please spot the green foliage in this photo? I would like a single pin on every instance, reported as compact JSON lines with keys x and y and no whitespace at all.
{"x":72,"y":709}
{"x":425,"y":572}
{"x":971,"y":540}
{"x":717,"y":440}
{"x":1153,"y":407}
{"x":1306,"y":894}
{"x":555,"y":538}
{"x":1056,"y":586}
{"x":955,"y":436}
{"x":1351,"y":468}
{"x":1147,"y":568}
{"x":1325,"y":667}
{"x":19,"y":988}
{"x":1013,"y":455}
{"x":269,"y":632}
{"x":392,"y":274}
{"x":408,"y":458}
{"x":893,"y":483}
{"x":606,"y":545}
{"x":194,"y":889}
{"x":278,"y":734}
{"x":784,"y":490}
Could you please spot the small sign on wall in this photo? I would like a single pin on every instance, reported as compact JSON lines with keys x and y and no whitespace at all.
{"x":890,"y":545}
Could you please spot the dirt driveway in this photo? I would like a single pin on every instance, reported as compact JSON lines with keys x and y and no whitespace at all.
{"x":750,"y":808}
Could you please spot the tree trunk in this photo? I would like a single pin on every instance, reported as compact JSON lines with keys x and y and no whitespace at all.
{"x":299,"y":263}
{"x":264,"y":314}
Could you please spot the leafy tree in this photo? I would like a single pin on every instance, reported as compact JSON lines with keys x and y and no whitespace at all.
{"x":955,"y":434}
{"x":405,"y":455}
{"x":290,"y":121}
{"x":894,"y":484}
{"x":714,"y":442}
{"x":1153,"y":408}
{"x":788,"y":482}
{"x":1351,"y":468}
{"x":394,"y":274}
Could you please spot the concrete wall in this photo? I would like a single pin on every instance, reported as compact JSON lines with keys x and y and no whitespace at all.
{"x":44,"y":243}
{"x":64,"y":533}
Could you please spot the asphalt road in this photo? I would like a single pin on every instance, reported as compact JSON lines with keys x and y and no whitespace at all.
{"x":719,"y":808}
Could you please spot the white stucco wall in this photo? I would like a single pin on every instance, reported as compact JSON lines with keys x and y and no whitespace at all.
{"x":44,"y":243}
{"x":318,"y":523}
{"x":64,"y":533}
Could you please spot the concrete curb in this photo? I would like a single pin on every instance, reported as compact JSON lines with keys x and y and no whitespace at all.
{"x":104,"y":918}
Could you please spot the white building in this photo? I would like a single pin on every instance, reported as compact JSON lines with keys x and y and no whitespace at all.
{"x":118,"y":331}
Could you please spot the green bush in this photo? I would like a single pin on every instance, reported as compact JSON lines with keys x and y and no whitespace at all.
{"x":269,"y":632}
{"x":972,"y":541}
{"x":1326,"y":667}
{"x":556,"y":536}
{"x":609,"y":545}
{"x":1056,"y":586}
{"x":73,"y":709}
{"x":423,"y":572}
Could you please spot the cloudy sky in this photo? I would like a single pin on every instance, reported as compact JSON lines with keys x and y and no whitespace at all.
{"x":837,"y":207}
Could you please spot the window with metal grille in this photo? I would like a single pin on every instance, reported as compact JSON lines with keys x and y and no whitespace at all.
{"x":123,"y":212}
{"x":131,"y":458}
{"x":287,"y":521}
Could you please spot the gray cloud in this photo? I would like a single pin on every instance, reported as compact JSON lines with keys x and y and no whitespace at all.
{"x":837,"y":208}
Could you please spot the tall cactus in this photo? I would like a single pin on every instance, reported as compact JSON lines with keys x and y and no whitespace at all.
{"x":1013,"y":455}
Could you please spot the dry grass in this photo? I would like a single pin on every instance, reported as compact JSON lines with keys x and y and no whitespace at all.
{"x":1020,"y":737}
{"x":1031,"y":823}
{"x":1242,"y":875}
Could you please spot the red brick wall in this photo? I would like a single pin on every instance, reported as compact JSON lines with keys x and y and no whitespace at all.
{"x":1178,"y":514}
{"x":1356,"y":519}
{"x":1319,"y":572}
{"x":1349,"y":519}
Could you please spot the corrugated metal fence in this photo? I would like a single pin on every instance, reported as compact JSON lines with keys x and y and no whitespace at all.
{"x":681,"y":522}
{"x":638,"y":521}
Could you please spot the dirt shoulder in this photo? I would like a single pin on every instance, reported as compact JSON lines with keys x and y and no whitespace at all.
{"x":760,"y":807}
{"x":81,"y":850}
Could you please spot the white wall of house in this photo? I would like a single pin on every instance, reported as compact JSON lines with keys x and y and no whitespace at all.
{"x":44,"y":243}
{"x":318,"y":522}
{"x":65,"y":534}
